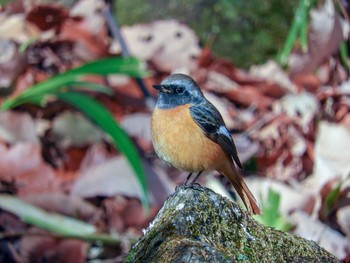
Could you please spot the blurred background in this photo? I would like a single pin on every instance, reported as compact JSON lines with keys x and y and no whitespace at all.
{"x":260,"y":27}
{"x":76,"y":99}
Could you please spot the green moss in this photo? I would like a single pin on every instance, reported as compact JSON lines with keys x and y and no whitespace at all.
{"x":197,"y":224}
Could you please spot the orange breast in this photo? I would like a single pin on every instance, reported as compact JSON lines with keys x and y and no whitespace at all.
{"x":180,"y":142}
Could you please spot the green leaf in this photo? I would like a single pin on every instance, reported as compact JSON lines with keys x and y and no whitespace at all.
{"x":271,"y":215}
{"x":63,"y":226}
{"x":330,"y":200}
{"x":344,"y":56}
{"x":128,"y":66}
{"x":52,"y":222}
{"x":298,"y":29}
{"x":103,"y":119}
{"x":94,"y":110}
{"x":26,"y":44}
{"x":91,"y":86}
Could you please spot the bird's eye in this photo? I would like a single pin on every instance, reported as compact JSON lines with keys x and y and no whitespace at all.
{"x":180,"y":90}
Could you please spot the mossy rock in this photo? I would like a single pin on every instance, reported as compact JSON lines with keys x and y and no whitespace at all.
{"x":197,"y":225}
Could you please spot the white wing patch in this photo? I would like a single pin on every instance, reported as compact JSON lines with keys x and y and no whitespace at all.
{"x":222,"y":130}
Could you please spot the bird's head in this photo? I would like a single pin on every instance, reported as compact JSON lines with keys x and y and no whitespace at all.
{"x":177,"y":90}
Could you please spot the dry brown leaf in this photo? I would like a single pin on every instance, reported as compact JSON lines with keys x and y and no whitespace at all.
{"x":113,"y":208}
{"x":12,"y":63}
{"x":168,"y":44}
{"x":218,"y":82}
{"x":23,"y":165}
{"x":307,"y":82}
{"x":327,"y":30}
{"x":88,"y":45}
{"x":283,"y":149}
{"x":16,"y":28}
{"x":112,"y":177}
{"x":332,"y":144}
{"x":302,"y":107}
{"x":138,"y":126}
{"x":73,"y":129}
{"x":90,"y":10}
{"x":47,"y":16}
{"x":95,"y":155}
{"x":271,"y":71}
{"x":17,"y":127}
{"x":343,"y":218}
{"x":36,"y":249}
{"x":249,"y":96}
{"x":10,"y":222}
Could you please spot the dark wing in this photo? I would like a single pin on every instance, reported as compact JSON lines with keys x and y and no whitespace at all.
{"x":209,"y":119}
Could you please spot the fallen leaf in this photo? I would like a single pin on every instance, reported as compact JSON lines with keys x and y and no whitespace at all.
{"x":17,"y":127}
{"x":332,"y":142}
{"x":96,"y":154}
{"x":218,"y":82}
{"x":249,"y":96}
{"x":168,"y":44}
{"x":107,"y":179}
{"x":89,"y":43}
{"x":16,"y":28}
{"x":303,"y":107}
{"x":36,"y":249}
{"x":343,"y":218}
{"x":23,"y":165}
{"x":12,"y":63}
{"x":73,"y":129}
{"x":271,"y":71}
{"x":327,"y":30}
{"x":47,"y":16}
{"x":138,"y":125}
{"x":113,"y":208}
{"x":307,"y":82}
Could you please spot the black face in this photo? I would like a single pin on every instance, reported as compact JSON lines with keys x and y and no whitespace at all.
{"x":177,"y":90}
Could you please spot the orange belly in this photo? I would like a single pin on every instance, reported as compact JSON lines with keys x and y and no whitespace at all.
{"x":180,"y":142}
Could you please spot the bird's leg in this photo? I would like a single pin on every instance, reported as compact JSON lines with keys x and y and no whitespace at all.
{"x":195,"y":179}
{"x":187,"y":179}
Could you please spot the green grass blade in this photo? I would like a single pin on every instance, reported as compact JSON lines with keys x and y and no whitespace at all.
{"x":63,"y":226}
{"x":303,"y":32}
{"x":129,"y":66}
{"x":52,"y":222}
{"x":38,"y":90}
{"x":344,"y":56}
{"x":271,"y":215}
{"x":91,"y":86}
{"x":102,"y":117}
{"x":297,"y":27}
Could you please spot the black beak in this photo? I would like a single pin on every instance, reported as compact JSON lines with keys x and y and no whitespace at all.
{"x":161,"y":88}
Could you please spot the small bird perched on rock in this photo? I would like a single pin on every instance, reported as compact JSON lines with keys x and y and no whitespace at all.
{"x":189,"y":133}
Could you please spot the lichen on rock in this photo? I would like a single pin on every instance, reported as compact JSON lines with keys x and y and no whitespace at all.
{"x":198,"y":225}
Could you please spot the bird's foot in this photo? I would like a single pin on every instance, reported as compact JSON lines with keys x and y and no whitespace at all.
{"x":187,"y":186}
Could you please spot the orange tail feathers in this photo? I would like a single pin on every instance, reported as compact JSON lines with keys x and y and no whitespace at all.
{"x":242,"y":189}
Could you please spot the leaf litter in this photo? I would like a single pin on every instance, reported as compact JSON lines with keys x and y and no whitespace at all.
{"x":291,"y":128}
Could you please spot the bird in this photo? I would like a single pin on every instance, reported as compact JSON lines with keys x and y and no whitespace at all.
{"x":189,"y":133}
